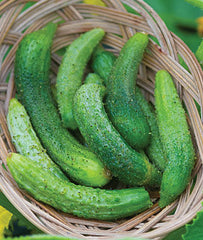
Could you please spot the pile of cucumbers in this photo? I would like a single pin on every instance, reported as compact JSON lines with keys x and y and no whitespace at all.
{"x":123,"y":137}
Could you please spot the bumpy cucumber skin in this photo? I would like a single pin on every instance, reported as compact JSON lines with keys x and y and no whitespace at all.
{"x":33,"y":87}
{"x":175,"y":137}
{"x":78,"y":200}
{"x":93,"y":78}
{"x":25,"y":139}
{"x":76,"y":133}
{"x":102,"y":62}
{"x":154,"y":150}
{"x":71,"y":70}
{"x":102,"y":138}
{"x":121,"y":104}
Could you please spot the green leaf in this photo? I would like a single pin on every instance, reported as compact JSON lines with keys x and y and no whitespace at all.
{"x":176,"y":235}
{"x":22,"y":221}
{"x":199,"y":54}
{"x":179,"y":8}
{"x":196,"y":3}
{"x":95,"y":2}
{"x":5,"y":217}
{"x":194,"y":230}
{"x":27,"y":5}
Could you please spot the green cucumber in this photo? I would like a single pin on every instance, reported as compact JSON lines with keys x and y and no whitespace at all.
{"x":154,"y":150}
{"x":121,"y":104}
{"x":25,"y":139}
{"x":93,"y":78}
{"x":71,"y":70}
{"x":87,"y":202}
{"x":33,"y":88}
{"x":54,"y":93}
{"x":76,"y":133}
{"x":100,"y":135}
{"x":102,"y":63}
{"x":176,"y":139}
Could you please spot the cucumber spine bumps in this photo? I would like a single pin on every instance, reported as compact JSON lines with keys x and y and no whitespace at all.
{"x":71,"y":70}
{"x":102,"y":63}
{"x":121,"y":104}
{"x":175,"y":137}
{"x":78,"y":200}
{"x":154,"y":150}
{"x":100,"y":135}
{"x":93,"y":78}
{"x":25,"y":139}
{"x":33,"y":87}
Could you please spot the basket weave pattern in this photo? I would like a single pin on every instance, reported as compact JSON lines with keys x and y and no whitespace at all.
{"x":119,"y":25}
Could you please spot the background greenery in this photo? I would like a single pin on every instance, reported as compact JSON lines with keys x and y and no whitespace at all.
{"x":181,"y":18}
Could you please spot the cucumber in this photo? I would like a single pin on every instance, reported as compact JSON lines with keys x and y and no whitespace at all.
{"x":124,"y":162}
{"x":121,"y":104}
{"x":176,"y":139}
{"x":76,"y":133}
{"x":102,"y":63}
{"x":154,"y":150}
{"x":54,"y":93}
{"x":82,"y":201}
{"x":34,"y":92}
{"x":25,"y":140}
{"x":71,"y":70}
{"x":93,"y":78}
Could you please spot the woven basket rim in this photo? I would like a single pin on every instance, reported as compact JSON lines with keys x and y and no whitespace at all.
{"x":154,"y":223}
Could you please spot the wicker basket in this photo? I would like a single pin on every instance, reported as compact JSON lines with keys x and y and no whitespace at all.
{"x":119,"y":25}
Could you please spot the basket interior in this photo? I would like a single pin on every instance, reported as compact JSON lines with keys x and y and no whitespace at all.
{"x":75,"y":18}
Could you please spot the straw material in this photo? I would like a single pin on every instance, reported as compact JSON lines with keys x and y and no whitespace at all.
{"x":119,"y":25}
